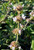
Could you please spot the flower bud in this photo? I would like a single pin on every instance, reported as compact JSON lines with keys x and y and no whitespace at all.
{"x":19,"y":47}
{"x":23,"y":17}
{"x":14,"y":44}
{"x":19,"y":7}
{"x":27,"y":20}
{"x":14,"y":19}
{"x":17,"y":18}
{"x":16,"y":31}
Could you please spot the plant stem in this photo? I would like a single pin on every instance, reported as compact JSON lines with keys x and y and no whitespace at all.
{"x":29,"y":21}
{"x":17,"y":38}
{"x":18,"y":25}
{"x":17,"y":33}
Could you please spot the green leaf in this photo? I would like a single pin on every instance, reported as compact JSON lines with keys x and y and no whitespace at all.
{"x":32,"y":45}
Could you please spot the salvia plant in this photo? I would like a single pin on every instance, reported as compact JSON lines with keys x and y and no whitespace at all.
{"x":17,"y":24}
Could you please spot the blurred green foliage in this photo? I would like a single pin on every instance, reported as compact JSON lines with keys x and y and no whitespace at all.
{"x":7,"y":25}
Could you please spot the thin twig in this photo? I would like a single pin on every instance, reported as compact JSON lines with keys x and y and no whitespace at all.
{"x":28,"y":21}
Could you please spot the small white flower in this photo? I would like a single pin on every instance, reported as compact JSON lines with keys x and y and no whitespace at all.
{"x":14,"y":7}
{"x":14,"y":19}
{"x":33,"y":7}
{"x":20,"y":25}
{"x":23,"y":16}
{"x":19,"y":31}
{"x":8,"y":8}
{"x":19,"y":47}
{"x":10,"y":3}
{"x":30,"y":13}
{"x":10,"y":46}
{"x":13,"y":48}
{"x":23,"y":5}
{"x":33,"y":14}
